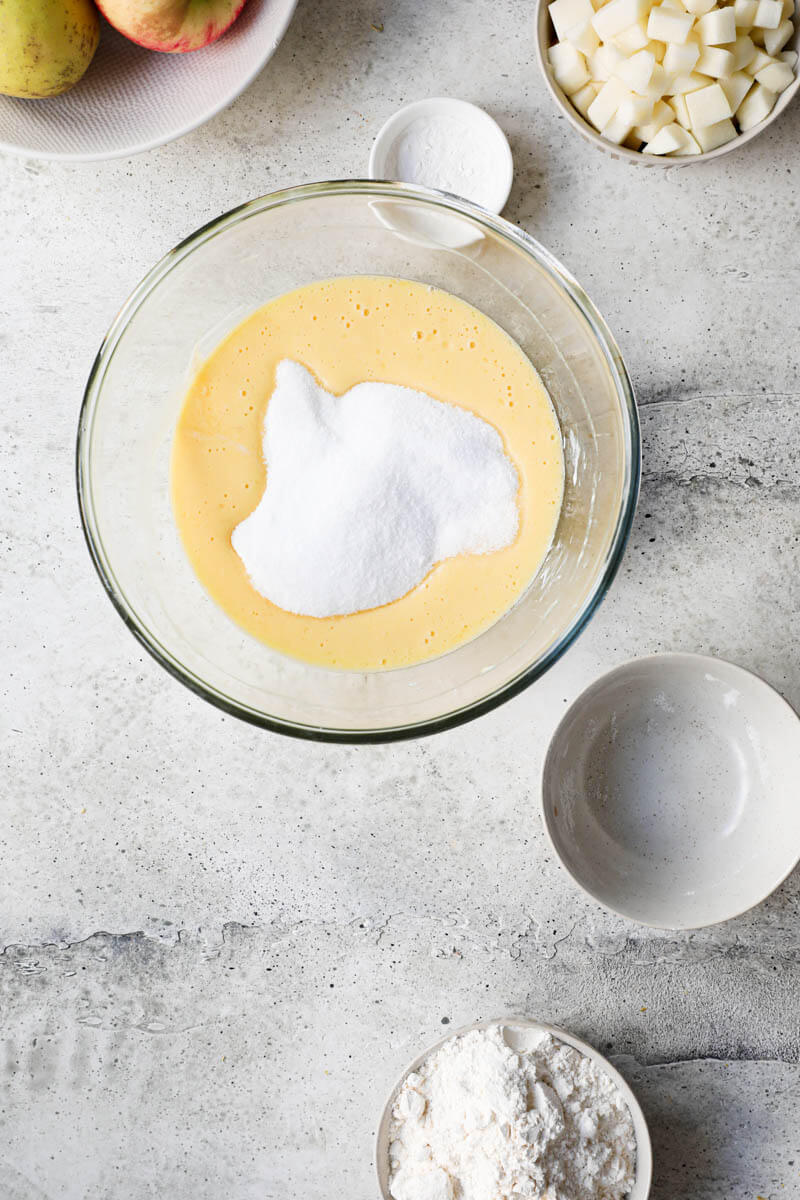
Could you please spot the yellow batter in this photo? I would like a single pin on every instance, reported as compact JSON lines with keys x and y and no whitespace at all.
{"x":347,"y":331}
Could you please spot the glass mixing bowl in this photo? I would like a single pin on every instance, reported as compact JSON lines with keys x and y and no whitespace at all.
{"x":205,"y":287}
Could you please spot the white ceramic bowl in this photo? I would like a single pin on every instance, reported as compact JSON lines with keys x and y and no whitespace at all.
{"x":545,"y":36}
{"x":670,"y":790}
{"x":133,"y":99}
{"x":518,"y":1026}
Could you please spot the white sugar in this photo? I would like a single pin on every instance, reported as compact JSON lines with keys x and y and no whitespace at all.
{"x":367,"y":491}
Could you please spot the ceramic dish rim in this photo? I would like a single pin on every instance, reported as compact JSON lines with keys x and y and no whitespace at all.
{"x":605,"y":678}
{"x":644,"y":1147}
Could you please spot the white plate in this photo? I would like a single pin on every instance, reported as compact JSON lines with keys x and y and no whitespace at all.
{"x":518,"y":1026}
{"x":671,"y":790}
{"x":132,"y":99}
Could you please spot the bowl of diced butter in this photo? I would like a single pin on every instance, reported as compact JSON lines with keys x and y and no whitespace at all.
{"x":671,"y":80}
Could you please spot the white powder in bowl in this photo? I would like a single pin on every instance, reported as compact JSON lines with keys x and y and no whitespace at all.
{"x":367,"y":491}
{"x":482,"y":1120}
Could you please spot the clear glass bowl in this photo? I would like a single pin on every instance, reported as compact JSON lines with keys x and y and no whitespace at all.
{"x":205,"y":287}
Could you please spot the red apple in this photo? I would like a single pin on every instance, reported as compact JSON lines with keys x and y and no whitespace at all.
{"x":174,"y":26}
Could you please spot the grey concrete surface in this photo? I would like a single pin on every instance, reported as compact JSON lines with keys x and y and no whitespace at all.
{"x":221,"y":946}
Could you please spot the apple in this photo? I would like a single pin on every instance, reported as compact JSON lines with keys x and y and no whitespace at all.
{"x":174,"y":26}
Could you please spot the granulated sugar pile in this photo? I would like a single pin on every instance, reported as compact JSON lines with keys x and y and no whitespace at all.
{"x":481,"y":1121}
{"x":367,"y":491}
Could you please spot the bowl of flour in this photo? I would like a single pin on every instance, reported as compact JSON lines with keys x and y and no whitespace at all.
{"x":513,"y":1108}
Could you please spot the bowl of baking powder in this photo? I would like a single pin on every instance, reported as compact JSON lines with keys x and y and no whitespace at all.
{"x":508,"y":1108}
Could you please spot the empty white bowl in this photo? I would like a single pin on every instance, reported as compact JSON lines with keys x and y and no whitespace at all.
{"x":133,"y":99}
{"x":671,"y":790}
{"x":545,"y":36}
{"x":515,"y":1029}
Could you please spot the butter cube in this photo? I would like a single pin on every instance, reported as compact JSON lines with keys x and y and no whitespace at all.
{"x":758,"y":62}
{"x":569,"y":67}
{"x":672,"y":139}
{"x":604,"y":62}
{"x":659,"y":83}
{"x":716,"y":62}
{"x":636,"y":72}
{"x":790,"y":57}
{"x":776,"y":77}
{"x":636,"y":110}
{"x":788,"y":9}
{"x":776,"y":39}
{"x":617,"y":129}
{"x":678,"y":106}
{"x":708,"y":105}
{"x":709,"y":137}
{"x":582,"y":99}
{"x":681,"y":59}
{"x":744,"y":51}
{"x":757,"y":104}
{"x":681,"y":84}
{"x":699,"y":7}
{"x":632,"y":39}
{"x":583,"y":38}
{"x":568,"y":14}
{"x":667,"y":25}
{"x":736,"y":88}
{"x":606,"y":103}
{"x":744,"y":12}
{"x":618,"y":15}
{"x":657,"y":49}
{"x":662,"y":115}
{"x":719,"y":26}
{"x":769,"y":14}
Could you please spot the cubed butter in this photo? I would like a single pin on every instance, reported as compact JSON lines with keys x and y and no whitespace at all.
{"x":583,"y":38}
{"x":716,"y":61}
{"x":718,"y":27}
{"x":582,"y":99}
{"x":681,"y":84}
{"x":636,"y":72}
{"x":744,"y":12}
{"x":618,"y":15}
{"x":744,"y":51}
{"x":776,"y":39}
{"x":662,"y":115}
{"x":736,"y":88}
{"x":681,"y":59}
{"x":668,"y":25}
{"x":604,"y":62}
{"x":672,"y":139}
{"x":757,"y":63}
{"x":708,"y":105}
{"x":568,"y":14}
{"x":709,"y":137}
{"x":769,"y":14}
{"x":678,"y":106}
{"x":699,"y":7}
{"x":757,"y":104}
{"x":776,"y":77}
{"x":637,"y":110}
{"x":617,"y":129}
{"x":632,"y":39}
{"x":606,"y":103}
{"x":569,"y":67}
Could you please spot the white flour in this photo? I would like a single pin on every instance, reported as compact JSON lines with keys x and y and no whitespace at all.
{"x":481,"y":1121}
{"x":444,"y":153}
{"x":367,"y":491}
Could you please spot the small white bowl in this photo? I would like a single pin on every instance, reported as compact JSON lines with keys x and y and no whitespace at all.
{"x":545,"y":36}
{"x":519,"y":1026}
{"x":132,"y":99}
{"x":671,"y":790}
{"x":488,"y":138}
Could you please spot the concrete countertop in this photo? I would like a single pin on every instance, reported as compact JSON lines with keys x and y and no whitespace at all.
{"x":221,"y":946}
